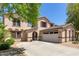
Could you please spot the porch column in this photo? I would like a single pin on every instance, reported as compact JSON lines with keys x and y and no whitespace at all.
{"x":73,"y":35}
{"x":16,"y":34}
{"x":66,"y":36}
{"x":60,"y":35}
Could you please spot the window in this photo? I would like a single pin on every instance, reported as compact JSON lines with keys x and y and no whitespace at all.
{"x":16,"y":34}
{"x":51,"y":32}
{"x":45,"y":33}
{"x":29,"y":24}
{"x":16,"y":22}
{"x":55,"y":32}
{"x":43,"y":24}
{"x":51,"y":25}
{"x":13,"y":34}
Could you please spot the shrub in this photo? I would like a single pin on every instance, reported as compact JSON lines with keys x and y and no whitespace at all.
{"x":4,"y":46}
{"x":10,"y":41}
{"x":2,"y":32}
{"x":5,"y":43}
{"x":75,"y":42}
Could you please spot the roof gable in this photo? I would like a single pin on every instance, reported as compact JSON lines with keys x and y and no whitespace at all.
{"x":43,"y":18}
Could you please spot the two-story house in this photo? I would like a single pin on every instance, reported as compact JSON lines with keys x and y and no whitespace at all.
{"x":44,"y":31}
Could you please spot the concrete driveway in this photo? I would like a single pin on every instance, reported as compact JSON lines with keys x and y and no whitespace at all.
{"x":39,"y":48}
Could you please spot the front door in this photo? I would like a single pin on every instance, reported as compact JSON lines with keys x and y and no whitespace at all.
{"x":24,"y":36}
{"x":34,"y":35}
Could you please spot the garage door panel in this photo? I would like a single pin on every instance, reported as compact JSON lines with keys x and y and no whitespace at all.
{"x":50,"y":37}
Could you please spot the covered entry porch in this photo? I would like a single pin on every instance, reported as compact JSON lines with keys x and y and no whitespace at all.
{"x":29,"y":35}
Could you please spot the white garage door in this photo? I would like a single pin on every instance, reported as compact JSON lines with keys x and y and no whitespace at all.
{"x":50,"y":37}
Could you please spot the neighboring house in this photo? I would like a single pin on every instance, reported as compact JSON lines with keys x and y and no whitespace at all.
{"x":45,"y":30}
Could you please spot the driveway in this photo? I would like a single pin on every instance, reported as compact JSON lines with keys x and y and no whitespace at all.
{"x":39,"y":48}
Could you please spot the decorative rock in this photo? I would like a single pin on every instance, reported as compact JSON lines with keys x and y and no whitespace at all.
{"x":12,"y":52}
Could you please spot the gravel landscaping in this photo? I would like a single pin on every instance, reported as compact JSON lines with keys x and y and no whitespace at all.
{"x":12,"y":52}
{"x":70,"y":44}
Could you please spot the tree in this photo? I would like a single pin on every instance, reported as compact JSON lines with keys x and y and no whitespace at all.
{"x":73,"y":16}
{"x":2,"y":32}
{"x":27,"y":11}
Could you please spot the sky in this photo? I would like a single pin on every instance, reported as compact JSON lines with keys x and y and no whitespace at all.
{"x":55,"y":12}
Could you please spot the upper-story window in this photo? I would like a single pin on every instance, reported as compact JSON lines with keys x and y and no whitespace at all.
{"x":16,"y":22}
{"x":51,"y":25}
{"x":43,"y":24}
{"x":29,"y":24}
